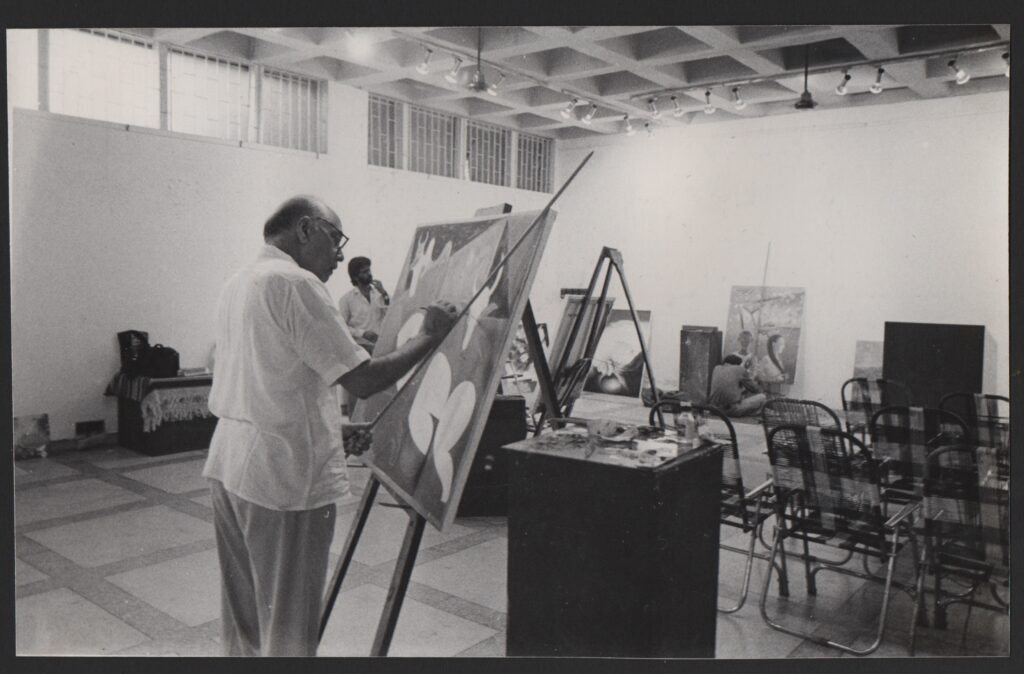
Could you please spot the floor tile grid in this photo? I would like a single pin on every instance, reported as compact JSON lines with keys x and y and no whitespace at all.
{"x":379,"y":575}
{"x":92,"y":582}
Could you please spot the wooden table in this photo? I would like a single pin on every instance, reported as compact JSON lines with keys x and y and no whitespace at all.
{"x":613,"y":550}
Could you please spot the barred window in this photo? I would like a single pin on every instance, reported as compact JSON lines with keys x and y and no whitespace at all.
{"x":104,"y":75}
{"x":293,"y":111}
{"x":488,"y":151}
{"x":534,"y":165}
{"x":433,"y":142}
{"x":385,"y":135}
{"x":415,"y":138}
{"x":208,"y":96}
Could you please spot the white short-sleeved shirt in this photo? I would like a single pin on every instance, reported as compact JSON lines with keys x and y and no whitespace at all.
{"x":281,"y":344}
{"x":361,"y":314}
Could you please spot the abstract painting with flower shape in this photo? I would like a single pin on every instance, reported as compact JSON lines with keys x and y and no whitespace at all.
{"x":423,"y":446}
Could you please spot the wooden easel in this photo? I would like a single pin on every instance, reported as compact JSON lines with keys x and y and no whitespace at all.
{"x":568,"y":379}
{"x":417,"y":522}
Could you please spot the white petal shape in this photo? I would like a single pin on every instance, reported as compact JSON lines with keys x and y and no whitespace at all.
{"x":409,"y":329}
{"x":437,"y":382}
{"x":429,"y":400}
{"x":421,"y":428}
{"x":454,"y":418}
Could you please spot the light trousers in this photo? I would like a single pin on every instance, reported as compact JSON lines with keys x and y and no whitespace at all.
{"x":273,"y":567}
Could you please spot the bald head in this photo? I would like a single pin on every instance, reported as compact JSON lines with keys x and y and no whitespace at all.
{"x":308,"y":230}
{"x":288,"y":213}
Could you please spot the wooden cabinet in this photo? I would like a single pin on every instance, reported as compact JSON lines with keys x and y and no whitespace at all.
{"x":610,"y":560}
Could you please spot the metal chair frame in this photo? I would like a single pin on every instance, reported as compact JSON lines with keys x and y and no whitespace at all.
{"x":958,"y":538}
{"x":888,"y":389}
{"x":809,"y":508}
{"x":912,"y":444}
{"x":976,"y":409}
{"x":745,"y":510}
{"x":780,"y":411}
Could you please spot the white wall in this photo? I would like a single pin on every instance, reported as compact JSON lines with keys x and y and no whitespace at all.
{"x":894,"y":212}
{"x":883,"y":213}
{"x":114,"y":229}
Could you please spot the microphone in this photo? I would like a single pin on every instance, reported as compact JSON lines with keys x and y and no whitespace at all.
{"x":383,"y":293}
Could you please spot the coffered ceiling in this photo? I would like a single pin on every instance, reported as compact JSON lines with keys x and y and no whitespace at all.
{"x":620,"y":69}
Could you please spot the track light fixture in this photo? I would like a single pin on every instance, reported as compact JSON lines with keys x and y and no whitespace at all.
{"x":649,"y":128}
{"x":677,"y":109}
{"x":589,"y":117}
{"x":738,"y":102}
{"x":630,"y":131}
{"x":452,"y":76}
{"x":492,"y":88}
{"x":566,"y":112}
{"x":962,"y":76}
{"x":422,"y":67}
{"x":876,"y":86}
{"x":708,"y":108}
{"x":841,"y":88}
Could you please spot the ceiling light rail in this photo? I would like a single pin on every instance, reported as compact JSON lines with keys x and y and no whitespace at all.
{"x":950,"y":55}
{"x":433,"y":49}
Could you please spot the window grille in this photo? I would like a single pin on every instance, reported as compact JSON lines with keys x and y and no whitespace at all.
{"x":433,"y":142}
{"x":293,"y":111}
{"x":104,"y":75}
{"x":534,"y":165}
{"x":385,"y":132}
{"x":488,"y":150}
{"x":208,"y":96}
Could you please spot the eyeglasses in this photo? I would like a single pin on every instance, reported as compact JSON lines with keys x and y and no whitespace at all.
{"x":340,"y":240}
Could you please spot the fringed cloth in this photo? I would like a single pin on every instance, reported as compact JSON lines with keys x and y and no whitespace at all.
{"x":174,"y":404}
{"x":160,"y":400}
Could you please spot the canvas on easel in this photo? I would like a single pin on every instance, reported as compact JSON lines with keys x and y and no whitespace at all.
{"x":618,"y":366}
{"x":423,"y":447}
{"x":520,"y":376}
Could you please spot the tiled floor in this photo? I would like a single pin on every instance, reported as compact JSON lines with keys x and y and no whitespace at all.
{"x":116,"y":555}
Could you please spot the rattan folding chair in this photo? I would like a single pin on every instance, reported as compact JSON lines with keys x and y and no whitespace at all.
{"x":781,"y":411}
{"x":745,"y":510}
{"x":966,"y":527}
{"x":863,"y":396}
{"x":902,"y":438}
{"x":828,"y":492}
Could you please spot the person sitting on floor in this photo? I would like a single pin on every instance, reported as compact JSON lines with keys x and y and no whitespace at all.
{"x":733,"y":390}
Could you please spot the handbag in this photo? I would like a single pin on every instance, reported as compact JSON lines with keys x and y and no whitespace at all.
{"x":134,"y":350}
{"x":161,"y":362}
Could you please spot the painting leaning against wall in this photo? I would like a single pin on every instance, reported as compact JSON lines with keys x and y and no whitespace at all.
{"x":867,"y":359}
{"x":763,"y":327}
{"x":423,"y":446}
{"x":31,"y":436}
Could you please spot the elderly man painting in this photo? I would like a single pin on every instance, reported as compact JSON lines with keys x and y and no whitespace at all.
{"x":277,"y":458}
